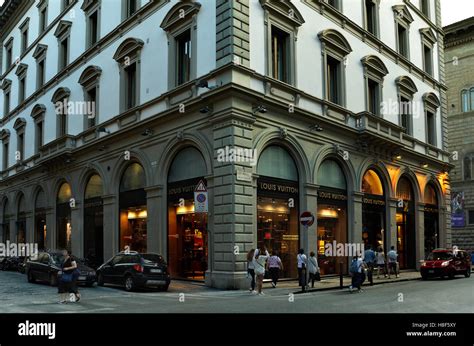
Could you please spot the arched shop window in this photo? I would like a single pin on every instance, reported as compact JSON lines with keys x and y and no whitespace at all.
{"x":5,"y":221}
{"x":332,"y":213}
{"x":406,"y":231}
{"x":431,"y":213}
{"x":40,"y":220}
{"x":277,"y":206}
{"x":63,"y":217}
{"x":133,"y":210}
{"x":187,"y":229}
{"x":21,"y":220}
{"x":93,"y":221}
{"x":373,"y":211}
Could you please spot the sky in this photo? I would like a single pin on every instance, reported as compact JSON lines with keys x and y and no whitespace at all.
{"x":451,"y":10}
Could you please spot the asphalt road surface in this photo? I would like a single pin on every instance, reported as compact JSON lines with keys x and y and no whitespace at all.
{"x":433,"y":296}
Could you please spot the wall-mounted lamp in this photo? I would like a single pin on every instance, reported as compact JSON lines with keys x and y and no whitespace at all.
{"x":147,"y":132}
{"x":205,"y":84}
{"x":259,"y":109}
{"x":103,"y":129}
{"x":424,"y":165}
{"x":316,"y":127}
{"x":205,"y":110}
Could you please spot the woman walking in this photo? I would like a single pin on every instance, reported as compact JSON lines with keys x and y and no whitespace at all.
{"x":302,"y":263}
{"x":259,"y":262}
{"x":313,"y":268}
{"x":251,"y":270}
{"x":380,"y":259}
{"x":67,"y":281}
{"x":274,"y":267}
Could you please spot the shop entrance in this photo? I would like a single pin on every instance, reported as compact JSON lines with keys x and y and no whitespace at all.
{"x":93,"y":222}
{"x":373,"y":211}
{"x":187,"y":230}
{"x":431,"y":213}
{"x":40,"y":220}
{"x":63,"y":217}
{"x":405,"y":224}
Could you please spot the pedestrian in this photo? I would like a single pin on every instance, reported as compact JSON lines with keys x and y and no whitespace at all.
{"x":380,"y":258}
{"x":313,"y":268}
{"x":67,"y":284}
{"x":251,"y":270}
{"x":369,"y":260}
{"x":259,"y":260}
{"x":392,"y":257}
{"x":357,"y":270}
{"x":302,"y":264}
{"x":274,"y":267}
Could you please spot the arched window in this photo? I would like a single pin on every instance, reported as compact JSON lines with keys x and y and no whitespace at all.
{"x":94,"y":187}
{"x":468,"y":166}
{"x":183,"y":161}
{"x":276,"y":162}
{"x":133,"y":178}
{"x":371,"y":183}
{"x":465,"y":101}
{"x":330,"y":175}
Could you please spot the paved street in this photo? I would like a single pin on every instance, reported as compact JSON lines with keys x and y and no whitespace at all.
{"x":18,"y":296}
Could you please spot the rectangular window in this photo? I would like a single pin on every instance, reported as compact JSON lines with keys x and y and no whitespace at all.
{"x":5,"y":156}
{"x":92,"y":98}
{"x":402,"y":40}
{"x":39,"y":135}
{"x":43,"y":20}
{"x":24,"y":40}
{"x":184,"y":50}
{"x":131,"y":7}
{"x":471,"y":217}
{"x":405,"y":114}
{"x":280,"y":68}
{"x":370,"y":14}
{"x":334,"y":3}
{"x":333,"y":80}
{"x":428,"y":59}
{"x":6,"y":103}
{"x":21,"y":146}
{"x":63,"y":53}
{"x":373,"y":97}
{"x":21,"y":89}
{"x":465,"y":101}
{"x":430,"y":128}
{"x":130,"y":85}
{"x":9,"y":56}
{"x":40,"y":74}
{"x":66,"y":4}
{"x":62,"y":125}
{"x":424,"y":7}
{"x":467,"y":168}
{"x":472,"y":98}
{"x":93,"y":28}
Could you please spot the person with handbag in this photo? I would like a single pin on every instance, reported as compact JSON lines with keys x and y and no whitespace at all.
{"x":302,"y":262}
{"x":251,"y":270}
{"x":274,"y":267}
{"x":259,"y":261}
{"x":68,"y":278}
{"x":313,"y":268}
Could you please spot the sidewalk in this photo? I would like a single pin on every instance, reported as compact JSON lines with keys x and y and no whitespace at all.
{"x":330,"y":283}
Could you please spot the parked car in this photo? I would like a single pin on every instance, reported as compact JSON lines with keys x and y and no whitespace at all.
{"x":134,"y":270}
{"x":444,"y":262}
{"x":47,"y":265}
{"x":12,"y":263}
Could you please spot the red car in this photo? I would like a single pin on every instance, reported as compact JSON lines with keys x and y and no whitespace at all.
{"x":444,"y":262}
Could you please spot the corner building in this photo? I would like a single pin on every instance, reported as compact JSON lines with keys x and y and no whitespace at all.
{"x":309,"y":85}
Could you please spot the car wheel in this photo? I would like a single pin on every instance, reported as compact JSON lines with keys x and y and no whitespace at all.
{"x":31,"y":278}
{"x":451,"y":275}
{"x":467,"y":273}
{"x":89,"y":284}
{"x":100,"y":280}
{"x":424,"y":277}
{"x":129,"y":284}
{"x":53,"y":280}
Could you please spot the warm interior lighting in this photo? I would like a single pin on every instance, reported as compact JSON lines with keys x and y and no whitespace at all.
{"x":137,"y":214}
{"x":328,"y":213}
{"x":424,"y":165}
{"x":185,"y":209}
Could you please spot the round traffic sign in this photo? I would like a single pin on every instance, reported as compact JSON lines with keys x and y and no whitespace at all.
{"x":306,"y":218}
{"x":201,"y":198}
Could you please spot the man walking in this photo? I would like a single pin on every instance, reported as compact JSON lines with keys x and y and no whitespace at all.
{"x":392,"y":257}
{"x":369,"y":259}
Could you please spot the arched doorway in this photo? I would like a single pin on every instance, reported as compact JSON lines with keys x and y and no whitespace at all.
{"x":277,"y":206}
{"x":93,"y":221}
{"x":332,"y":214}
{"x":431,"y":213}
{"x":40,"y":220}
{"x":406,"y":233}
{"x":373,"y":211}
{"x":21,"y":220}
{"x":187,"y":230}
{"x":6,"y":221}
{"x":133,"y":210}
{"x":63,"y":216}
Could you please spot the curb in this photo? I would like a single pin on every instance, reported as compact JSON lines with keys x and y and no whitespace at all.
{"x":339,"y":288}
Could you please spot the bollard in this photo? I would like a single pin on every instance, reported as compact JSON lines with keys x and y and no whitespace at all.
{"x":341,"y":279}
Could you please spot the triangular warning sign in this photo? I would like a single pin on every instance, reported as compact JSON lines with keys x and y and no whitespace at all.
{"x":200,"y":187}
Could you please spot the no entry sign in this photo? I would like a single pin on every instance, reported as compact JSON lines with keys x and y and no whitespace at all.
{"x":306,"y":218}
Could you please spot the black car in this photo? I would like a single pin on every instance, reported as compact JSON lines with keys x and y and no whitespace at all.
{"x":134,"y":270}
{"x":47,"y":265}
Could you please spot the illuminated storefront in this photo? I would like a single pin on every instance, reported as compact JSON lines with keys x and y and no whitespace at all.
{"x":373,"y":210}
{"x":63,"y":217}
{"x":93,"y":221}
{"x":133,"y":211}
{"x":21,"y":221}
{"x":187,"y":230}
{"x":406,"y":237}
{"x":277,"y":206}
{"x":331,"y":215}
{"x":431,"y":213}
{"x":40,"y":220}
